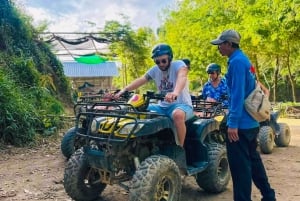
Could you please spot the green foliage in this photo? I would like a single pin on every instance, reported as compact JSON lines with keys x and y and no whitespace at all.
{"x":32,"y":81}
{"x":269,"y":30}
{"x":133,"y":50}
{"x":19,"y":117}
{"x":25,"y":111}
{"x":23,"y":70}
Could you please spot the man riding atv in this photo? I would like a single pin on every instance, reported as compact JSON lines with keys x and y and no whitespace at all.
{"x":170,"y":78}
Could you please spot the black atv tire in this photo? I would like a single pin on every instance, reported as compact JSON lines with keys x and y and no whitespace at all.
{"x":284,"y":138}
{"x":69,"y":143}
{"x":266,"y":139}
{"x":81,"y":182}
{"x":215,"y":178}
{"x":157,"y":178}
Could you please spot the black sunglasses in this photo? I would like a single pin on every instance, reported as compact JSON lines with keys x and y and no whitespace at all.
{"x":163,"y":61}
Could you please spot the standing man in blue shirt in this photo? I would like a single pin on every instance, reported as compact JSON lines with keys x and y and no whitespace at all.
{"x":244,"y":161}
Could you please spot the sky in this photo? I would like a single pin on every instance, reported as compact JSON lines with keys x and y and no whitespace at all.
{"x":75,"y":15}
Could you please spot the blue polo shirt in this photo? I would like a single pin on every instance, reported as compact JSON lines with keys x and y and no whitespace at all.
{"x":240,"y":82}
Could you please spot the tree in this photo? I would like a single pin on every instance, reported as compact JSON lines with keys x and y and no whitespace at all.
{"x":132,"y":49}
{"x":270,"y":36}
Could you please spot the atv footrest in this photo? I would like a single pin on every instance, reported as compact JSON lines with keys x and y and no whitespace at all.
{"x":196,"y":168}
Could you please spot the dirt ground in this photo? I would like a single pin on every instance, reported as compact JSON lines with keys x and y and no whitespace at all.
{"x":37,"y":174}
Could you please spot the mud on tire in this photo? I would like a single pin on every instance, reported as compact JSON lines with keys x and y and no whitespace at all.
{"x":81,"y":182}
{"x":284,"y":138}
{"x":266,"y":139}
{"x":217,"y":175}
{"x":157,"y":178}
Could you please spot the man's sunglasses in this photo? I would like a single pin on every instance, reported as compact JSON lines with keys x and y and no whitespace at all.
{"x":158,"y":61}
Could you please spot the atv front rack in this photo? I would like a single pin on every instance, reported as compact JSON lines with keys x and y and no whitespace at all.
{"x":90,"y":102}
{"x":116,"y":122}
{"x":105,"y":97}
{"x":207,"y":110}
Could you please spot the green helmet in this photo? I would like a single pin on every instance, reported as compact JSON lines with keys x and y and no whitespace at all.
{"x":212,"y":68}
{"x":162,"y":49}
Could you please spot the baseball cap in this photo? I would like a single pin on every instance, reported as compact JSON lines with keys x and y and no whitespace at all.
{"x":228,"y":35}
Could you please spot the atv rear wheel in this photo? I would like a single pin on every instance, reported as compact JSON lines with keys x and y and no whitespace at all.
{"x":81,"y":182}
{"x":266,"y":139}
{"x":284,"y":138}
{"x":70,"y":143}
{"x":217,"y":175}
{"x":156,"y":179}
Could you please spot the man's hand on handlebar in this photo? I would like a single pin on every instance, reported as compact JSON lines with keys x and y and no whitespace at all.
{"x":119,"y":94}
{"x":171,"y":97}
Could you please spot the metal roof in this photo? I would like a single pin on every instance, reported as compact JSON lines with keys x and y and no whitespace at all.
{"x":75,"y":69}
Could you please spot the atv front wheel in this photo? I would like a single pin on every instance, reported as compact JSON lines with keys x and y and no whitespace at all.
{"x":156,"y":179}
{"x":70,"y":143}
{"x":81,"y":182}
{"x":266,"y":139}
{"x":284,"y":138}
{"x":217,"y":175}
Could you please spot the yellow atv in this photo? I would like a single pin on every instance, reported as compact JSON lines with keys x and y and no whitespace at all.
{"x":136,"y":148}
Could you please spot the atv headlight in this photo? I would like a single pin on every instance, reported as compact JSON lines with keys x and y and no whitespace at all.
{"x":95,"y":124}
{"x":128,"y":128}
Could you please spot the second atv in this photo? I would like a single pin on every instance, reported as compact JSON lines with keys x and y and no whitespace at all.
{"x":271,"y":131}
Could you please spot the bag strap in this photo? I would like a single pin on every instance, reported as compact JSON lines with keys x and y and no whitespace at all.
{"x":246,"y":95}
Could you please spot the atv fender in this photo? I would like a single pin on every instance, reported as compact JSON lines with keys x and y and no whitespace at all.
{"x":155,"y":125}
{"x":197,"y":131}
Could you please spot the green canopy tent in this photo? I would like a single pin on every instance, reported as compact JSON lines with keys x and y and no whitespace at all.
{"x":90,"y":59}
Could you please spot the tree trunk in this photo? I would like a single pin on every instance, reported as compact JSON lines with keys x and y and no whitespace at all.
{"x":276,"y":74}
{"x":291,"y":80}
